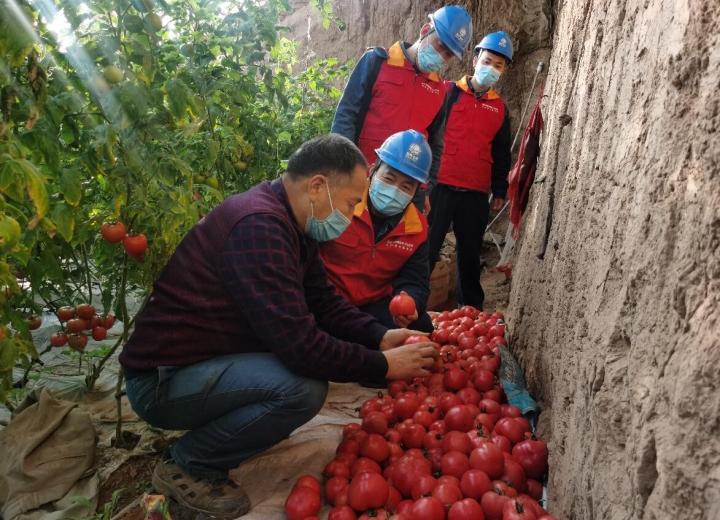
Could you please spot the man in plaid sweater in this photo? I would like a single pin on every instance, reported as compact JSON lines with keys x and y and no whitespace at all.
{"x":243,"y":330}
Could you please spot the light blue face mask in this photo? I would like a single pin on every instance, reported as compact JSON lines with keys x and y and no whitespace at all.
{"x":387,"y":199}
{"x":486,"y":76}
{"x":329,"y":228}
{"x":430,"y":60}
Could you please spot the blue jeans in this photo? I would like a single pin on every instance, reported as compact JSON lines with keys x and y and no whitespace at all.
{"x":233,"y":406}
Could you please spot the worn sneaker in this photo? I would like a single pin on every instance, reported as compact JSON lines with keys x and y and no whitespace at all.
{"x":224,"y":500}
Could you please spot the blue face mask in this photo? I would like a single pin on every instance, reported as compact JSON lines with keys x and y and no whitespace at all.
{"x":329,"y":228}
{"x":387,"y":199}
{"x":430,"y":60}
{"x":486,"y":76}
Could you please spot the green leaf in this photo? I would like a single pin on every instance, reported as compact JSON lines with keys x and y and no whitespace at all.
{"x":36,"y":187}
{"x":177,"y":96}
{"x":9,"y":232}
{"x":70,"y":186}
{"x":64,"y":220}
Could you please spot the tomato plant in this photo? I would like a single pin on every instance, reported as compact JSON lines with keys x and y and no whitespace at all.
{"x":122,"y":123}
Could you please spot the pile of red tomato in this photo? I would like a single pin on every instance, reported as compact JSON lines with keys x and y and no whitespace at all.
{"x":442,"y":447}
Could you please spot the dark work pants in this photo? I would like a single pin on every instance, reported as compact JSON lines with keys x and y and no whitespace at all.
{"x":468,"y":212}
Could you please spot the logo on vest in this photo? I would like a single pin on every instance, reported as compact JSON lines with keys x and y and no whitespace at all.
{"x":490,"y":107}
{"x":400,"y":244}
{"x":413,"y":153}
{"x":429,"y":88}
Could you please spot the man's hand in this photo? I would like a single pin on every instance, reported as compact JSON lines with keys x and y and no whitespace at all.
{"x":410,"y":361}
{"x":404,"y":321}
{"x":497,"y":204}
{"x":394,"y":338}
{"x":426,"y":209}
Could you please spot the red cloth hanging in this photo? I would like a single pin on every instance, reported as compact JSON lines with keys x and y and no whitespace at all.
{"x":522,"y":174}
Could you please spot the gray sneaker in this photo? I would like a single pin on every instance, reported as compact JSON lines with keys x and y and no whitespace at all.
{"x":222,"y":500}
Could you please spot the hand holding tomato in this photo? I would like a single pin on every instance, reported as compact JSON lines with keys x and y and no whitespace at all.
{"x":394,"y":338}
{"x":404,"y":320}
{"x":410,"y":361}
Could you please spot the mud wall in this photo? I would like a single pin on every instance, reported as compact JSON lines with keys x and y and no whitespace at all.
{"x":617,"y":324}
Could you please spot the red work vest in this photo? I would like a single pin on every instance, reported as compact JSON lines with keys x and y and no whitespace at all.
{"x":363,"y":271}
{"x":402,"y":99}
{"x":471,"y":127}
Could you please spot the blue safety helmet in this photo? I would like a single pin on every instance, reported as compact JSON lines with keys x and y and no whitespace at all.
{"x":408,"y":152}
{"x":454,"y":28}
{"x":497,"y":42}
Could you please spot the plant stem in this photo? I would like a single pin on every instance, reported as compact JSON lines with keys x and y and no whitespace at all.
{"x":118,"y":404}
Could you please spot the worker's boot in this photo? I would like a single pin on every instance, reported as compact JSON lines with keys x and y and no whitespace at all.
{"x":223,"y":500}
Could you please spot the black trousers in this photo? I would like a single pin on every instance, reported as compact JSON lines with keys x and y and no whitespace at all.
{"x":380,"y":310}
{"x":468,"y":212}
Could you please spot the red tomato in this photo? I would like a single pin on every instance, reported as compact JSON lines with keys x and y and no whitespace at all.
{"x":342,"y":513}
{"x":397,"y":387}
{"x":546,"y":517}
{"x":459,"y":418}
{"x":348,"y":446}
{"x":402,"y":305}
{"x":393,"y":436}
{"x":368,"y":491}
{"x":511,"y":427}
{"x":364,"y":465}
{"x":375,"y":447}
{"x":475,"y":483}
{"x":489,"y":458}
{"x":109,"y":320}
{"x":440,"y":336}
{"x":515,"y":510}
{"x":404,"y":507}
{"x":467,"y":509}
{"x":302,"y":503}
{"x":531,"y":504}
{"x":394,"y":498}
{"x":502,"y":488}
{"x":58,"y":339}
{"x":77,"y":342}
{"x":457,"y":441}
{"x":483,"y":380}
{"x":466,"y":341}
{"x":423,"y":487}
{"x":497,"y":340}
{"x":413,"y":436}
{"x":65,"y":313}
{"x":113,"y":232}
{"x":489,"y":406}
{"x":135,"y":245}
{"x":455,"y":379}
{"x":75,"y":325}
{"x":514,"y":475}
{"x":428,"y":508}
{"x":406,"y":405}
{"x":85,"y":311}
{"x":433,"y":440}
{"x":33,"y":322}
{"x":406,"y":471}
{"x":535,"y":489}
{"x":469,"y":395}
{"x":492,"y":504}
{"x":508,"y":410}
{"x":447,"y":494}
{"x":448,"y":400}
{"x":334,"y":487}
{"x":485,"y":420}
{"x":502,"y":442}
{"x":479,"y":329}
{"x":454,"y":463}
{"x":532,"y":456}
{"x":424,"y":418}
{"x":99,"y":333}
{"x":308,"y":481}
{"x":337,"y":468}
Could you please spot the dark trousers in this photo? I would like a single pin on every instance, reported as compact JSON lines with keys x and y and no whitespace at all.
{"x":468,"y":212}
{"x":380,"y":310}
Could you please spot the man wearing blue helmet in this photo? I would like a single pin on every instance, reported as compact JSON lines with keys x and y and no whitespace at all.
{"x":475,"y":163}
{"x":384,"y":251}
{"x":399,"y":88}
